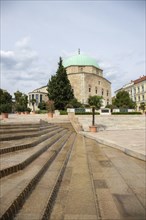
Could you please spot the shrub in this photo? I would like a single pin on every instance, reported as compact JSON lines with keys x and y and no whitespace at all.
{"x":126,"y":113}
{"x":63,"y":112}
{"x":50,"y":106}
{"x":6,"y":108}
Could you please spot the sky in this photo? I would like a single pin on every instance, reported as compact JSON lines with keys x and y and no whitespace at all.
{"x":34,"y":34}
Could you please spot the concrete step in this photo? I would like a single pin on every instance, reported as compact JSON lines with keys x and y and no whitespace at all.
{"x":76,"y":198}
{"x":16,"y":188}
{"x":8,"y":137}
{"x":40,"y":201}
{"x":20,"y":144}
{"x":16,"y":161}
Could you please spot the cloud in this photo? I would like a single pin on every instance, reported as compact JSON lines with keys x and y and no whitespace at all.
{"x":23,"y":43}
{"x":22,"y":69}
{"x":19,"y":59}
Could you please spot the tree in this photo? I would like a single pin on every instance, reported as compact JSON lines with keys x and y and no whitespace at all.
{"x":74,"y":104}
{"x":42,"y":105}
{"x":59,"y":88}
{"x":5,"y":102}
{"x":95,"y":101}
{"x":142,"y":106}
{"x":33,"y":101}
{"x":21,"y":101}
{"x":123,"y":100}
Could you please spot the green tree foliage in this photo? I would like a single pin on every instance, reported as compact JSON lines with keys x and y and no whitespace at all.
{"x":123,"y":100}
{"x":59,"y":88}
{"x":21,"y":101}
{"x":95,"y":101}
{"x":5,"y":102}
{"x":142,"y":106}
{"x":42,"y":105}
{"x":73,"y":103}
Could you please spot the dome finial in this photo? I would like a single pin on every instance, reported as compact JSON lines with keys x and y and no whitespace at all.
{"x":79,"y":51}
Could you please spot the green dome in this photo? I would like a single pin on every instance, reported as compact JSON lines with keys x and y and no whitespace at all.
{"x":80,"y":60}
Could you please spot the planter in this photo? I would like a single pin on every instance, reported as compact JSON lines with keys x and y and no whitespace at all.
{"x":93,"y":128}
{"x":27,"y":113}
{"x":50,"y":115}
{"x":4,"y":115}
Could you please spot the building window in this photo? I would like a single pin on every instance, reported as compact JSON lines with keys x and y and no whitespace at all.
{"x":37,"y":97}
{"x":98,"y":82}
{"x":134,"y":90}
{"x":138,"y":98}
{"x":40,"y":98}
{"x":142,"y":88}
{"x":107,"y":93}
{"x":96,"y":90}
{"x":138,"y":89}
{"x":89,"y":88}
{"x":143,"y":97}
{"x":32,"y":96}
{"x":107,"y":101}
{"x":102,"y":92}
{"x":81,"y":68}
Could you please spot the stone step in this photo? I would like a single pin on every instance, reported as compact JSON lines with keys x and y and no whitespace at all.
{"x":8,"y":137}
{"x":16,"y":188}
{"x":15,"y":161}
{"x":76,"y":199}
{"x":24,"y":129}
{"x":40,"y":201}
{"x":14,"y":145}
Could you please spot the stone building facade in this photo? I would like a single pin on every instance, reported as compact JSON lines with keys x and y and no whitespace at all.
{"x":39,"y":95}
{"x":137,"y":90}
{"x":86,"y":78}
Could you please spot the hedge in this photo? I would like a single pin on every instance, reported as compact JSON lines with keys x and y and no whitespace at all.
{"x":126,"y":113}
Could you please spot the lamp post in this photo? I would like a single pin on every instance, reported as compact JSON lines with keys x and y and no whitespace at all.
{"x":93,"y":128}
{"x":93,"y":115}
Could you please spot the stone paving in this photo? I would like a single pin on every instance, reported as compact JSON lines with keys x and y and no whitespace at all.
{"x":127,"y":133}
{"x":101,"y":182}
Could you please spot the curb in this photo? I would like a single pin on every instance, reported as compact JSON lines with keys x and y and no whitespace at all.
{"x":116,"y":146}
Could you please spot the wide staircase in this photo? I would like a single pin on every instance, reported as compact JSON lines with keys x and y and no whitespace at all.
{"x":33,"y":161}
{"x":48,"y":171}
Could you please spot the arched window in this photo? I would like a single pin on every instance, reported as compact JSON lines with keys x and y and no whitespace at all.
{"x":102,"y":91}
{"x":96,"y":90}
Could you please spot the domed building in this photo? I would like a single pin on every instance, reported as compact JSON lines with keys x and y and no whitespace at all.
{"x":86,"y":78}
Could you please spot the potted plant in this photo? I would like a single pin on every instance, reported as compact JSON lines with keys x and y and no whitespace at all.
{"x":5,"y":109}
{"x":5,"y":103}
{"x":27,"y":110}
{"x":50,"y":108}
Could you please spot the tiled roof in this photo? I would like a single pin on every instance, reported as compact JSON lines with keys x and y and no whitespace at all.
{"x":142,"y":78}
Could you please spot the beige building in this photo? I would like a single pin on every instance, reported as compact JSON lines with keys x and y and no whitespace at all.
{"x":136,"y":90}
{"x":86,"y":78}
{"x":39,"y":95}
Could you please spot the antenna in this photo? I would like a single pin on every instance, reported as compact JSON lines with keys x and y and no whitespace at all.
{"x":79,"y":51}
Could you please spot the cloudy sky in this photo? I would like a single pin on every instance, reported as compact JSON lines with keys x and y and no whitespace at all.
{"x":34,"y":34}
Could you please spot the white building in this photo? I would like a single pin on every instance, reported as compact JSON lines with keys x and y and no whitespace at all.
{"x":39,"y":95}
{"x":136,"y":90}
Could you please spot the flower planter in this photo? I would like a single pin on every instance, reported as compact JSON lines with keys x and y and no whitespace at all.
{"x":4,"y":115}
{"x":50,"y":115}
{"x":27,"y":113}
{"x":93,"y":128}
